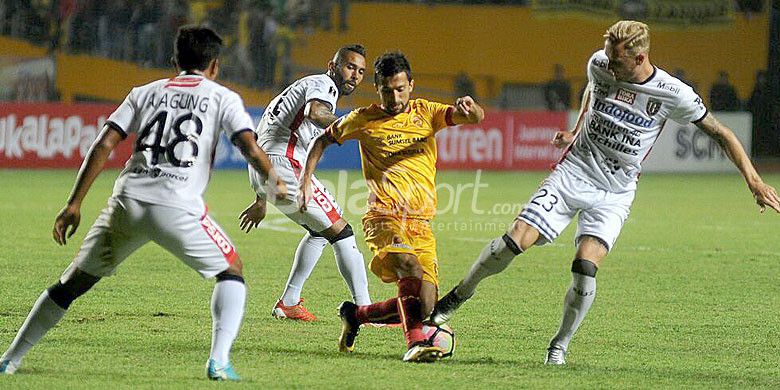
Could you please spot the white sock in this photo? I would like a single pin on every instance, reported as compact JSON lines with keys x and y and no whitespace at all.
{"x":43,"y":316}
{"x":494,"y":258}
{"x":350,"y":263}
{"x":227,"y":310}
{"x":576,"y":304}
{"x":306,"y":257}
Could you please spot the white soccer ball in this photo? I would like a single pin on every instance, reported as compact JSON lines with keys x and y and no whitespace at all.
{"x":441,"y":336}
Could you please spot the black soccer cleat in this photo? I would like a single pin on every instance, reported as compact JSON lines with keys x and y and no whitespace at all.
{"x":446,"y":307}
{"x":349,"y":326}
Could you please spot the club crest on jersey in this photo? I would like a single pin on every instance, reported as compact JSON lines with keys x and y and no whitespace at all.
{"x":625,"y":96}
{"x":653,"y":106}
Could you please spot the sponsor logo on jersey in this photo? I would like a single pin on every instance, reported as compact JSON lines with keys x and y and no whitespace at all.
{"x":332,"y":91}
{"x":653,"y":106}
{"x":668,"y":87}
{"x":600,"y":63}
{"x":625,"y":96}
{"x":622,"y":114}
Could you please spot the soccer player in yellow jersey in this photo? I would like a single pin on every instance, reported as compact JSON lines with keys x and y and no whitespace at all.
{"x":398,"y":154}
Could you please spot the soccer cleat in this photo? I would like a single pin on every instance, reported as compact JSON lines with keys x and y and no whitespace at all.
{"x":446,"y":307}
{"x":7,"y":367}
{"x":349,"y":326}
{"x":295,"y":312}
{"x":423,"y":352}
{"x":556,"y":356}
{"x":223,"y":373}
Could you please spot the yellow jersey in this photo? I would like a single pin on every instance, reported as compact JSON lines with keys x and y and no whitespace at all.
{"x":398,"y":154}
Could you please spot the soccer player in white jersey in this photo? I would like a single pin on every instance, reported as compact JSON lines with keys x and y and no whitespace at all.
{"x":626,"y":104}
{"x":159,"y":196}
{"x":289,"y":124}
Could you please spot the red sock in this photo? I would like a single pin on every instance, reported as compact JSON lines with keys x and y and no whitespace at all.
{"x":379,"y":313}
{"x":409,"y":309}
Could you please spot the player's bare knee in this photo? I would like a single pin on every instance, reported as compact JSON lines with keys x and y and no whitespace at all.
{"x":592,"y":248}
{"x":523,"y":234}
{"x":64,"y":292}
{"x":236,"y":268}
{"x":334,"y":235}
{"x":406,"y":265}
{"x":335,"y":230}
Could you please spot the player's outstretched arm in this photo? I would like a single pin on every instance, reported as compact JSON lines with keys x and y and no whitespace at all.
{"x":764,"y":194}
{"x":315,"y":154}
{"x":467,"y":111}
{"x":320,"y":113}
{"x":246,"y":143}
{"x":93,"y":164}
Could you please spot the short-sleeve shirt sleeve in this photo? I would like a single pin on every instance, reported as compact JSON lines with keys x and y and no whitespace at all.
{"x":346,"y":127}
{"x":690,"y":107}
{"x":597,"y":66}
{"x":122,"y":119}
{"x":234,"y":115}
{"x":322,"y":89}
{"x":441,"y":115}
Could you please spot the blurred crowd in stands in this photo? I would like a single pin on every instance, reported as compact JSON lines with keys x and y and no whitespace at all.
{"x":258,"y":33}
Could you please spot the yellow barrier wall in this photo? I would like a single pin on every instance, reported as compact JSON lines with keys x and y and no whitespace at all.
{"x":518,"y":45}
{"x":105,"y":79}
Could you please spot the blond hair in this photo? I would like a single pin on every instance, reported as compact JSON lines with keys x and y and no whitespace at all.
{"x":634,"y":35}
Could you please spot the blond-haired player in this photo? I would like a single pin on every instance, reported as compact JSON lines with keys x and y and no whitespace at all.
{"x":626,"y":104}
{"x":398,"y":154}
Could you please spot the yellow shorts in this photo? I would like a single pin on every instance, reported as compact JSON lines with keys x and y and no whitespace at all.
{"x":387,"y":234}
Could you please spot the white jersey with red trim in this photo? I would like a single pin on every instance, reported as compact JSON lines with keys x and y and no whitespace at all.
{"x":177,"y":123}
{"x":284,"y":130}
{"x":622,"y":122}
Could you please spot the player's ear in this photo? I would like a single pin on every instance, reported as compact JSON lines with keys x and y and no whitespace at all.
{"x":411,"y":85}
{"x":640,"y":58}
{"x":213,"y":70}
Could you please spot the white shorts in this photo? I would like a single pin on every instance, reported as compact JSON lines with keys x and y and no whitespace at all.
{"x":561,"y":196}
{"x":321,"y":212}
{"x":127,"y":224}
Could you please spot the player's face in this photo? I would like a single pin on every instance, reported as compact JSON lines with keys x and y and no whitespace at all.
{"x":348,"y":73}
{"x":394,"y":92}
{"x":622,"y":64}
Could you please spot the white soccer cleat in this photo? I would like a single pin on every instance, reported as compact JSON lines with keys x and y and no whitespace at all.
{"x":556,"y":356}
{"x":7,"y":367}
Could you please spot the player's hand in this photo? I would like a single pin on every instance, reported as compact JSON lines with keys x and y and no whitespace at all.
{"x":562,"y":139}
{"x":464,"y":105}
{"x":252,"y":215}
{"x":305,"y":194}
{"x":766,"y":195}
{"x":70,"y":216}
{"x":280,"y":189}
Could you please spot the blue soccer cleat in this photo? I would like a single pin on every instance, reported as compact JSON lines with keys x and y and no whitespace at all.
{"x":221,"y":373}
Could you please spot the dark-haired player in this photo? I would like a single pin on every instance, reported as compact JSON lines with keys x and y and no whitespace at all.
{"x":289,"y":124}
{"x":398,"y":153}
{"x":159,"y":196}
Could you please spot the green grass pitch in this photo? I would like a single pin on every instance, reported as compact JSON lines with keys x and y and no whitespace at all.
{"x":689,"y":296}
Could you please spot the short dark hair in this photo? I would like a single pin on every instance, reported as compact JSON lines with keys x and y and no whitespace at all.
{"x":341,"y":54}
{"x":196,"y":47}
{"x":390,"y":64}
